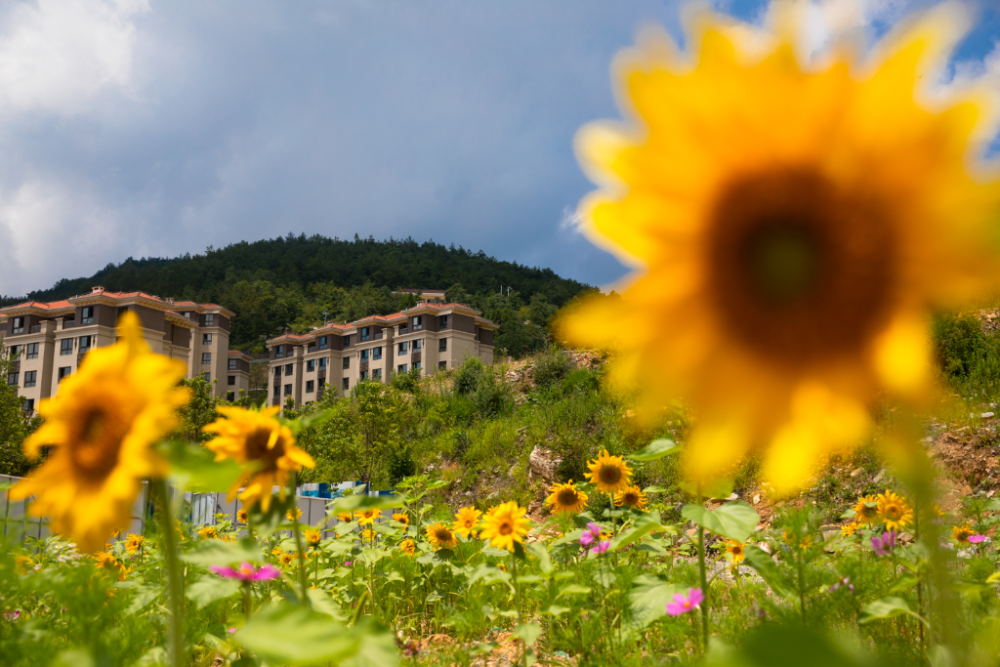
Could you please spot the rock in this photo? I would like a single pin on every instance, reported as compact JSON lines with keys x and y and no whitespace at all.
{"x":991,"y":493}
{"x":756,"y":499}
{"x":856,"y":472}
{"x":878,"y":477}
{"x":986,"y":415}
{"x":543,"y":463}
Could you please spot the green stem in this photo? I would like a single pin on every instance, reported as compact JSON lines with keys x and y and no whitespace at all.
{"x":704,"y":583}
{"x":175,"y":582}
{"x":801,"y":579}
{"x":299,"y":544}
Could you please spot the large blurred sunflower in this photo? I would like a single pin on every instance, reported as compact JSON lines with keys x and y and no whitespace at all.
{"x":260,"y":442}
{"x":102,"y":425}
{"x":791,"y":231}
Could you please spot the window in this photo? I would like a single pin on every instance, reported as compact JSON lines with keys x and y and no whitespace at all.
{"x":208,"y":377}
{"x":288,"y":390}
{"x":404,"y":348}
{"x":310,"y":366}
{"x":186,"y":314}
{"x":122,"y":311}
{"x":66,"y":346}
{"x":417,"y":344}
{"x":84,"y":344}
{"x":210,"y":320}
{"x":311,"y":347}
{"x":232,"y":364}
{"x":30,"y":378}
{"x":15,"y":351}
{"x":64,"y":371}
{"x":277,"y":389}
{"x":401,"y":369}
{"x":18,"y":325}
{"x":288,"y":369}
{"x":322,"y":342}
{"x":347,"y":341}
{"x":31,"y":351}
{"x":29,"y":405}
{"x":206,"y":358}
{"x":443,"y":345}
{"x":322,"y":364}
{"x":310,"y":386}
{"x":416,"y":365}
{"x":346,"y":384}
{"x":230,"y":395}
{"x":403,"y":328}
{"x":279,"y":352}
{"x":231,"y":380}
{"x":277,"y":373}
{"x":443,"y":322}
{"x":13,"y":379}
{"x":418,"y":322}
{"x":347,"y":362}
{"x":377,"y":374}
{"x":87,"y":316}
{"x":365,"y":333}
{"x":206,"y":339}
{"x":364,"y":355}
{"x":364,"y":375}
{"x":377,"y":353}
{"x":442,"y":365}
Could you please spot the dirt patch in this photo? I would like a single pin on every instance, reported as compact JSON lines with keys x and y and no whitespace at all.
{"x":970,"y":455}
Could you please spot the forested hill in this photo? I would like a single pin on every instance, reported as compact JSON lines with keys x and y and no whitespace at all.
{"x":290,"y":281}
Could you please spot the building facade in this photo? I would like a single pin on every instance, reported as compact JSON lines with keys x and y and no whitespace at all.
{"x":48,"y":341}
{"x":430,"y":337}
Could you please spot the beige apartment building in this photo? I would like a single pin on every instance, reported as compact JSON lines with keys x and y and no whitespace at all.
{"x":429,"y":336}
{"x":49,"y":340}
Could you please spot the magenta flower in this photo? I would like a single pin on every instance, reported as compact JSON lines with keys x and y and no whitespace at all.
{"x":976,"y":539}
{"x":247,"y":572}
{"x":602,"y":547}
{"x":885,"y":544}
{"x":592,"y":533}
{"x":347,"y":564}
{"x":12,"y":615}
{"x":845,"y":582}
{"x":682,"y":604}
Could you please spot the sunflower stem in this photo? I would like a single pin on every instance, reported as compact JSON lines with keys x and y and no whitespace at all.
{"x":175,"y":583}
{"x":298,"y":543}
{"x":704,"y":582}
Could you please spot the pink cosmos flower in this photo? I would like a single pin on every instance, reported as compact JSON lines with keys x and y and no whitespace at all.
{"x":247,"y":572}
{"x":592,"y":533}
{"x":885,"y":544}
{"x":682,"y":604}
{"x":12,"y":615}
{"x":347,"y":564}
{"x":976,"y":539}
{"x":602,"y":547}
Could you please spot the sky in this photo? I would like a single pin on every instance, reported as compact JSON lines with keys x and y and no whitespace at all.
{"x":156,"y":128}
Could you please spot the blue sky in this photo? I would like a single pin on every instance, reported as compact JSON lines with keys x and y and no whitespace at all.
{"x":147,"y":127}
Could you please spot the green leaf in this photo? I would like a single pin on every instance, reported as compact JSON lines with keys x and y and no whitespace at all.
{"x":716,"y":488}
{"x":218,"y":552}
{"x":529,"y":632}
{"x":324,"y":604}
{"x":208,"y":589}
{"x":654,"y":450}
{"x":643,"y":526}
{"x":489,"y":574}
{"x":573,"y":589}
{"x":904,"y":583}
{"x":286,"y":634}
{"x":648,"y":599}
{"x":193,"y":468}
{"x":768,"y":570}
{"x":357,"y":503}
{"x":538,"y":550}
{"x":144,"y":596}
{"x":735,"y":520}
{"x":888,"y":607}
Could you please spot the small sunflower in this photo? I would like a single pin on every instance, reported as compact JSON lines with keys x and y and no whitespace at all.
{"x":23,"y":564}
{"x":466,"y":522}
{"x":402,"y":518}
{"x":632,"y":497}
{"x":797,"y":541}
{"x":408,"y":547}
{"x":368,"y":535}
{"x":241,"y":516}
{"x":134,"y":542}
{"x":313,"y":537}
{"x":345,"y":517}
{"x":286,"y":558}
{"x":961,"y":534}
{"x":257,"y":440}
{"x":792,"y":229}
{"x":102,"y":425}
{"x":894,"y":510}
{"x":277,"y":551}
{"x":290,"y":517}
{"x":609,"y":473}
{"x":367,"y":517}
{"x":736,"y":550}
{"x":566,"y":498}
{"x":108,"y":564}
{"x":504,"y":525}
{"x":849,"y":529}
{"x":441,"y":536}
{"x":866,"y":510}
{"x":208,"y":533}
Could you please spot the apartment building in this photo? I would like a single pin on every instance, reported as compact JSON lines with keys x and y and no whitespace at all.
{"x":237,"y":374}
{"x":429,"y":336}
{"x":425,"y":295}
{"x":49,"y":340}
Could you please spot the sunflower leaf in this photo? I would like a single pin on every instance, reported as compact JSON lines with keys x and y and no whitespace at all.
{"x":768,"y":570}
{"x":648,"y":599}
{"x":735,"y":520}
{"x":358,"y":503}
{"x":654,"y":450}
{"x":217,"y":552}
{"x":888,"y":607}
{"x":209,"y":589}
{"x":644,"y":525}
{"x":193,"y":468}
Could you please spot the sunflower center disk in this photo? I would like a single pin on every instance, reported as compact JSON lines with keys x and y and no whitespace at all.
{"x":567,"y":497}
{"x":94,"y":451}
{"x":609,"y":475}
{"x":798,"y":269}
{"x":505,"y":528}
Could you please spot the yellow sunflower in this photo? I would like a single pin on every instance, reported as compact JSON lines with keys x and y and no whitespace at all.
{"x":798,"y":541}
{"x":257,"y":440}
{"x":208,"y":533}
{"x":290,"y":517}
{"x":894,"y":510}
{"x":134,"y":542}
{"x":408,"y":547}
{"x":402,"y":518}
{"x":791,"y":229}
{"x":609,"y":473}
{"x":367,"y":517}
{"x":23,"y":564}
{"x":313,"y":537}
{"x":441,"y":536}
{"x":466,"y":522}
{"x":632,"y":497}
{"x":286,"y":558}
{"x":566,"y":498}
{"x":849,"y":529}
{"x":345,"y":517}
{"x":368,"y":535}
{"x":961,"y":534}
{"x":102,"y":425}
{"x":866,"y":510}
{"x":504,"y":525}
{"x":241,"y":516}
{"x":108,"y":564}
{"x":735,"y":549}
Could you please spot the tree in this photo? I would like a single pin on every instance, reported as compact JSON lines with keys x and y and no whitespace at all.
{"x":258,"y":382}
{"x":199,"y":412}
{"x":15,"y":423}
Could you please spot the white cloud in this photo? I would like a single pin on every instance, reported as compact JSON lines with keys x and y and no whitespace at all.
{"x":571,"y":219}
{"x":57,"y":54}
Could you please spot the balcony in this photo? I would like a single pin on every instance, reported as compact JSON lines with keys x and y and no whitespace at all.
{"x":36,"y":328}
{"x":378,"y":336}
{"x":363,"y":367}
{"x":415,"y":358}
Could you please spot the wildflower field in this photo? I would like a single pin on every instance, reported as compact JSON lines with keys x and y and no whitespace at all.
{"x":798,"y":227}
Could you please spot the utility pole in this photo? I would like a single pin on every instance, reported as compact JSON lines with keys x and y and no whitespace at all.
{"x":324,"y":318}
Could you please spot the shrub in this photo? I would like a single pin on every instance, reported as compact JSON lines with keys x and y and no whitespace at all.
{"x":468,"y":375}
{"x":551,"y":367}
